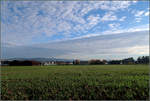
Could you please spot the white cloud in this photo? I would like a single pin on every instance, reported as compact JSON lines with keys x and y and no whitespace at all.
{"x":123,"y":18}
{"x":93,"y":20}
{"x":138,"y":19}
{"x":120,"y":4}
{"x":129,"y":30}
{"x":139,"y":13}
{"x":115,"y":5}
{"x":109,"y":17}
{"x":114,"y":25}
{"x":134,"y":1}
{"x":104,"y":5}
{"x":147,"y":13}
{"x":141,"y":50}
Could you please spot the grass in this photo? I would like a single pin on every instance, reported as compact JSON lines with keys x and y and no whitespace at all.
{"x":88,"y":82}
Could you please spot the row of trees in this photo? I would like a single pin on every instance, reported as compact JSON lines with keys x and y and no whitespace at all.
{"x":92,"y":62}
{"x":131,"y":60}
{"x":140,"y":60}
{"x":101,"y":62}
{"x":21,"y":63}
{"x":143,"y":60}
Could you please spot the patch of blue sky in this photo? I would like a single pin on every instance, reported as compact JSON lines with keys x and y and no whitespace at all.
{"x":41,"y":13}
{"x":43,"y":38}
{"x":141,"y":5}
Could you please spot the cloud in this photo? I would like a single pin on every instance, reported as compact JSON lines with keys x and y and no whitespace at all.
{"x":123,"y":18}
{"x":146,"y":14}
{"x":134,"y":1}
{"x":138,"y":19}
{"x":93,"y":20}
{"x":111,"y":32}
{"x":24,"y":21}
{"x":141,"y":50}
{"x":104,"y":5}
{"x":139,"y":13}
{"x":114,"y":26}
{"x":129,"y":30}
{"x":119,"y":45}
{"x":30,"y":52}
{"x":109,"y":17}
{"x":115,"y":5}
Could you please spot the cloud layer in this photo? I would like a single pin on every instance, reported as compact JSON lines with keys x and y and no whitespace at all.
{"x":113,"y":46}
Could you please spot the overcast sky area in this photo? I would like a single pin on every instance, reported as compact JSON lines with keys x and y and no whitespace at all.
{"x":75,"y":29}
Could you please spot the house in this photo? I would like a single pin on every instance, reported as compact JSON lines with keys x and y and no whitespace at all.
{"x":49,"y":63}
{"x":4,"y":63}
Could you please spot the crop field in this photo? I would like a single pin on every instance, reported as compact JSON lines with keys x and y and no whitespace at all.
{"x":88,"y":82}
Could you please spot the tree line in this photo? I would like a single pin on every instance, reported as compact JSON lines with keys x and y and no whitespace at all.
{"x":131,"y":60}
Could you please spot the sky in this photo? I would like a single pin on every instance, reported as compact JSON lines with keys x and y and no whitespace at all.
{"x":75,"y":29}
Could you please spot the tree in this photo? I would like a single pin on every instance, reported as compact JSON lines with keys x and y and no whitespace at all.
{"x":128,"y":61}
{"x":115,"y":62}
{"x":96,"y":62}
{"x":143,"y":60}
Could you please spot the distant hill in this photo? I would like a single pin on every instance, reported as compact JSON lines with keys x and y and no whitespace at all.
{"x":40,"y":59}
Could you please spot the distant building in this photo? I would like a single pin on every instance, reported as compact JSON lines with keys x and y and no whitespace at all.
{"x":4,"y":63}
{"x":49,"y":63}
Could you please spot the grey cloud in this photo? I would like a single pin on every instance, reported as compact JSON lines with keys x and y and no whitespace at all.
{"x":99,"y":46}
{"x":30,"y":52}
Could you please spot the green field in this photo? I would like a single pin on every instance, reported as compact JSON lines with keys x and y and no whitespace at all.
{"x":76,"y":82}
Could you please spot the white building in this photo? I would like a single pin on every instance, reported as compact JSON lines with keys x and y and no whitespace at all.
{"x":49,"y":63}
